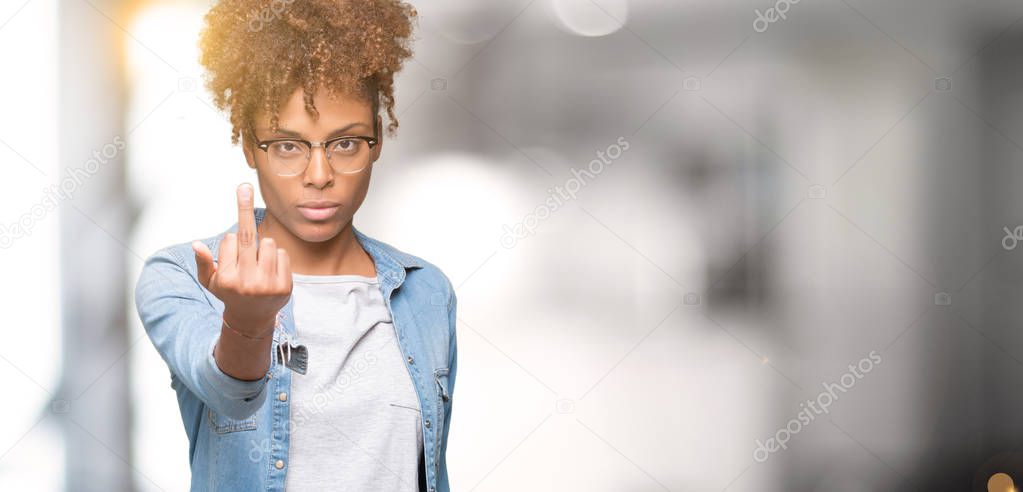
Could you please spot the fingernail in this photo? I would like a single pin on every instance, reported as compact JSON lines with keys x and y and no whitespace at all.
{"x":245,"y":192}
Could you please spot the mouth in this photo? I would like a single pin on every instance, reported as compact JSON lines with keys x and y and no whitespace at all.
{"x":319,"y":211}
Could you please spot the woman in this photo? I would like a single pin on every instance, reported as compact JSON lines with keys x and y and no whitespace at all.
{"x":305,"y":355}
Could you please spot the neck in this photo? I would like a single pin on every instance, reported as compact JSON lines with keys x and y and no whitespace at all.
{"x":339,"y":255}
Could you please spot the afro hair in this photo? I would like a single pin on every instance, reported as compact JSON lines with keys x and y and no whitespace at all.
{"x":256,"y":53}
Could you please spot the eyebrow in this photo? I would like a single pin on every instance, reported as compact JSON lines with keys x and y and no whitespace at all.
{"x":337,"y":132}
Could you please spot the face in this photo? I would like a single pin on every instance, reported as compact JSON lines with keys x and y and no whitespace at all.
{"x":315,"y":205}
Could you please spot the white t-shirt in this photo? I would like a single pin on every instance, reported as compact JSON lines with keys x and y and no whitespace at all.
{"x":355,"y":421}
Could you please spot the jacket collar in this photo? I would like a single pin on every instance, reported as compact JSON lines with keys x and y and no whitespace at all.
{"x":390,"y":262}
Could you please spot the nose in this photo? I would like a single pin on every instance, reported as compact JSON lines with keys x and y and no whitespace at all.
{"x":318,"y":173}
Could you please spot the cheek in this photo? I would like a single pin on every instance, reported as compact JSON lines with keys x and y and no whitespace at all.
{"x":359,"y":193}
{"x":270,"y":189}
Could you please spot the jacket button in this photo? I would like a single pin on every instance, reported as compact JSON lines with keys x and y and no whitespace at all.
{"x":279,"y":464}
{"x":283,"y":396}
{"x":427,"y":424}
{"x":410,"y":360}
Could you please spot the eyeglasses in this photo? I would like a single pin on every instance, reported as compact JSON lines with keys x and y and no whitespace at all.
{"x":290,"y":156}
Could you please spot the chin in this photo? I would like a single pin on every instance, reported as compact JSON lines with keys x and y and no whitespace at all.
{"x":317,"y":232}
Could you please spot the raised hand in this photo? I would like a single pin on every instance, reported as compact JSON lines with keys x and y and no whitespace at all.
{"x":252,"y":280}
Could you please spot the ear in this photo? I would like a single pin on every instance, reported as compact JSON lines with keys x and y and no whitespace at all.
{"x":380,"y":139}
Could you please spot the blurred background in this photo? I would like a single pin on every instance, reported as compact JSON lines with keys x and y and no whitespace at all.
{"x":697,"y":245}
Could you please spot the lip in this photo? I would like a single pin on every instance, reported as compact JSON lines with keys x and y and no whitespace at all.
{"x":318,"y":210}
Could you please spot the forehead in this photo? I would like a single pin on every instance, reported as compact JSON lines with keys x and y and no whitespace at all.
{"x":333,"y":112}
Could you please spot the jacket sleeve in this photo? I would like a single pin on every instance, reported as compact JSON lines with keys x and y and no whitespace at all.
{"x":452,"y":370}
{"x":184,"y":327}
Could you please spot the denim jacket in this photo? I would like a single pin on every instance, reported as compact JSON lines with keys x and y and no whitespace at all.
{"x":238,"y":430}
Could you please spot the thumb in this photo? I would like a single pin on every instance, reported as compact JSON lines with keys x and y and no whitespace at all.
{"x":204,"y":260}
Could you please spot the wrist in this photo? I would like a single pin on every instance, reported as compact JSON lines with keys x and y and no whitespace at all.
{"x":247,"y":327}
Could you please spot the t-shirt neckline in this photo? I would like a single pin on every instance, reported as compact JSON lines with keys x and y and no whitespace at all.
{"x":329,"y":279}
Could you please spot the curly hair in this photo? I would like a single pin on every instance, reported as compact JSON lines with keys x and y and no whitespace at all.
{"x":258,"y":52}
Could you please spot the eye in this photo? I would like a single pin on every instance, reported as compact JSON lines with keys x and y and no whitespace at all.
{"x":287,"y":148}
{"x":346,"y":146}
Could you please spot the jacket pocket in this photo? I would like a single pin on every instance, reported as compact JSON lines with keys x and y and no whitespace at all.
{"x":223,"y":425}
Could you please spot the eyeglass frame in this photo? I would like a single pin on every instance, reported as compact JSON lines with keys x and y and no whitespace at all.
{"x":264,"y":145}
